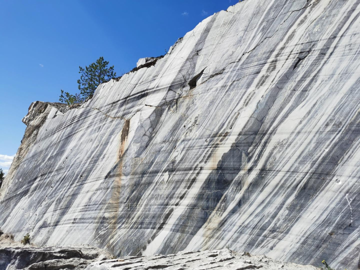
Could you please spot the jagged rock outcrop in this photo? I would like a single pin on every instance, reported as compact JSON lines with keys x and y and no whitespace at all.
{"x":144,"y":61}
{"x":31,"y":258}
{"x":245,"y":135}
{"x":37,"y":115}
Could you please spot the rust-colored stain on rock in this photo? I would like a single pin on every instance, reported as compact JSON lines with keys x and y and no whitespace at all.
{"x":116,"y":189}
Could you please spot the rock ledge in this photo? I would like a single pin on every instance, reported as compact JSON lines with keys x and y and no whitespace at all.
{"x":50,"y":258}
{"x":217,"y":259}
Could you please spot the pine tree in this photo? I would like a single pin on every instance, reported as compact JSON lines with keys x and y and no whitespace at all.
{"x":91,"y":77}
{"x":94,"y":75}
{"x":70,"y":99}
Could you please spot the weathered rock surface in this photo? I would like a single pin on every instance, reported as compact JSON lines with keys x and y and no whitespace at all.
{"x":245,"y":135}
{"x":32,"y":258}
{"x":38,"y":112}
{"x":218,"y":259}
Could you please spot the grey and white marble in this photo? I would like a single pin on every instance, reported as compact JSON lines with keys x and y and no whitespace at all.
{"x":201,"y":260}
{"x":246,"y":135}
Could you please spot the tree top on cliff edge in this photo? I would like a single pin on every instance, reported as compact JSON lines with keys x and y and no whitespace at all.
{"x":91,"y":77}
{"x":94,"y":75}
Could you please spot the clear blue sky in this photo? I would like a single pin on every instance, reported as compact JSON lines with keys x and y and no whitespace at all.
{"x":43,"y":43}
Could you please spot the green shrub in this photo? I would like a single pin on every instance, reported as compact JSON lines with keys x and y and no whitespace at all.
{"x":70,"y":99}
{"x":26,"y":239}
{"x":327,"y":267}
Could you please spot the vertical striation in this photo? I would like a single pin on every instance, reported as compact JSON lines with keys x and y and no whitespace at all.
{"x":245,"y":135}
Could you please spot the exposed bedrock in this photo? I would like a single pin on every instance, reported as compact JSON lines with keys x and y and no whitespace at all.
{"x":31,"y":258}
{"x":205,"y":260}
{"x":246,"y":135}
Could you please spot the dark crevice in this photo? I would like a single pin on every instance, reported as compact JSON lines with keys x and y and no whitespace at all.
{"x":148,"y":64}
{"x":214,"y":75}
{"x":160,"y":266}
{"x":217,"y":74}
{"x":301,"y":57}
{"x":193,"y":82}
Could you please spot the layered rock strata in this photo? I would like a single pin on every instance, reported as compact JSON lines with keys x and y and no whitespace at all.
{"x":37,"y":115}
{"x":217,"y":259}
{"x":244,"y":135}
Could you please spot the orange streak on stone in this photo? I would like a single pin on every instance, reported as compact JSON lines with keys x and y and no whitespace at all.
{"x":116,"y":189}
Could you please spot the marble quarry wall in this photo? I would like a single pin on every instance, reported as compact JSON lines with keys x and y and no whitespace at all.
{"x":245,"y":135}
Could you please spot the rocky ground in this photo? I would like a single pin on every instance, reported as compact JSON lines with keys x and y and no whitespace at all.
{"x":14,"y":255}
{"x":7,"y":240}
{"x":47,"y":258}
{"x":91,"y":259}
{"x":217,"y":259}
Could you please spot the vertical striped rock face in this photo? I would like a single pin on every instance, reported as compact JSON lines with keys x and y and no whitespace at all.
{"x":245,"y":135}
